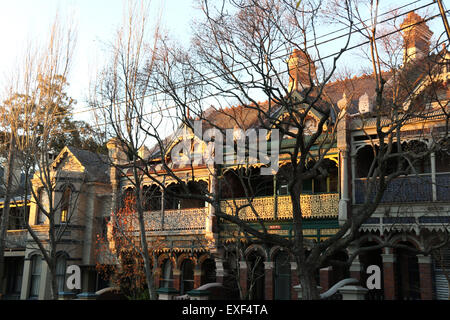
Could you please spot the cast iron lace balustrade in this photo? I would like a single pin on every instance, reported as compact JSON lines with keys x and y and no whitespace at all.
{"x":414,"y":188}
{"x":324,"y":205}
{"x":179,"y":219}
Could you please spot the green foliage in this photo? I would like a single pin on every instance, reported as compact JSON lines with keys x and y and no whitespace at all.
{"x":77,"y":134}
{"x":49,"y":109}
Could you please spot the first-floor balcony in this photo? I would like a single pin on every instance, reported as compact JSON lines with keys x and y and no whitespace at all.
{"x":407,"y":189}
{"x":428,"y":179}
{"x":325,"y":205}
{"x":16,"y":239}
{"x":192,"y":219}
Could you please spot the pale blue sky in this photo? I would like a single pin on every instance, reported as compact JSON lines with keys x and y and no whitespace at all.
{"x":97,"y":20}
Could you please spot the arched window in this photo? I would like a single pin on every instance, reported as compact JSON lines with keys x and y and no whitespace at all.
{"x":171,"y":201}
{"x":256,"y":276}
{"x":282,"y":276}
{"x":36,"y":262}
{"x":61,"y":265}
{"x":197,"y":187}
{"x":187,"y":281}
{"x":152,"y":198}
{"x":282,"y":183}
{"x":364,"y":158}
{"x":166,"y":280}
{"x":421,"y":165}
{"x":442,"y":173}
{"x":367,"y":258}
{"x":231,"y":186}
{"x":441,"y":265}
{"x":327,"y":183}
{"x":65,"y":204}
{"x":208,"y":271}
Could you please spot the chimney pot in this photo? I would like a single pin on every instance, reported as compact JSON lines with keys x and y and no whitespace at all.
{"x":416,"y":35}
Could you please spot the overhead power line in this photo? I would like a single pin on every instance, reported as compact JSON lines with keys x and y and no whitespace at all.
{"x":216,"y":94}
{"x":279,"y":73}
{"x":444,"y":18}
{"x":181,"y":85}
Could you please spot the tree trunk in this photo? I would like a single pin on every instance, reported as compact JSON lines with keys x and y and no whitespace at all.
{"x":308,"y":283}
{"x":146,"y":258}
{"x":51,"y":263}
{"x":6,"y":209}
{"x":143,"y":237}
{"x":55,"y":293}
{"x":306,"y":273}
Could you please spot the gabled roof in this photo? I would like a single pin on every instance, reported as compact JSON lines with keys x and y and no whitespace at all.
{"x":353,"y":88}
{"x":95,"y":165}
{"x":404,"y":81}
{"x":243,"y":117}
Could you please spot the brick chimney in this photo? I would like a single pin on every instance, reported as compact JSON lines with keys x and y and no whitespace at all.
{"x":416,"y":37}
{"x":300,"y":68}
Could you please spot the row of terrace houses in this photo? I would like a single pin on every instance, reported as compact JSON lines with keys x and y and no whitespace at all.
{"x":192,"y":247}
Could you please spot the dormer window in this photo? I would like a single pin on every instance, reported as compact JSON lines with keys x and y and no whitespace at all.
{"x":166,"y":280}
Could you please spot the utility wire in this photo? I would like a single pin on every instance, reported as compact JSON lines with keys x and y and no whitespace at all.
{"x":181,"y":85}
{"x":277,"y":73}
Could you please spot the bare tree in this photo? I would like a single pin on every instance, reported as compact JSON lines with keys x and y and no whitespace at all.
{"x":119,"y":256}
{"x":33,"y":116}
{"x":237,"y":52}
{"x":236,"y":57}
{"x":121,"y":94}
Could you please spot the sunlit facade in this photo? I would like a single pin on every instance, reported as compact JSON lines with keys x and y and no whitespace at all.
{"x":191,"y":247}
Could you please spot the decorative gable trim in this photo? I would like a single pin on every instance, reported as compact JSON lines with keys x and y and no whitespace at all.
{"x":64,"y":155}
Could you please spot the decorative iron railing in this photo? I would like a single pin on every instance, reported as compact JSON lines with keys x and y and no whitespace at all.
{"x":417,"y":188}
{"x":401,"y":189}
{"x":16,"y":239}
{"x":443,"y":186}
{"x":324,"y":205}
{"x":180,"y":219}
